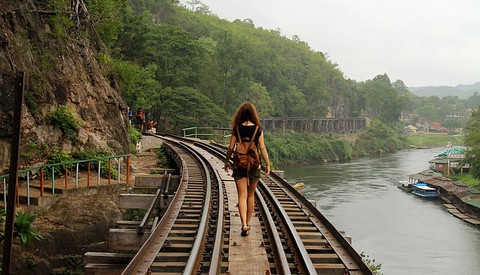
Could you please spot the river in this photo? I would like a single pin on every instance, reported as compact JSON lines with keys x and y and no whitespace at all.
{"x":403,"y":232}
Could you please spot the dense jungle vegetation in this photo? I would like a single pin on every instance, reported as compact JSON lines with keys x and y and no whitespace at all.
{"x":188,"y":67}
{"x":173,"y":60}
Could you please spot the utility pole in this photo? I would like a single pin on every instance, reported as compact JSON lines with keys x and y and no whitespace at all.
{"x":13,"y":175}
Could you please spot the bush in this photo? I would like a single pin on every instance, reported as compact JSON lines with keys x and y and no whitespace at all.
{"x":57,"y":157}
{"x":22,"y":228}
{"x":134,"y":135}
{"x":163,"y":159}
{"x":66,"y":119}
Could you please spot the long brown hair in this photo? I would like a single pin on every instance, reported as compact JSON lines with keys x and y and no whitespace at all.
{"x":246,"y":111}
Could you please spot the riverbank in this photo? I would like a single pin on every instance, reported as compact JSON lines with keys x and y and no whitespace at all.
{"x":301,"y":148}
{"x":434,"y":140}
{"x":461,"y":200}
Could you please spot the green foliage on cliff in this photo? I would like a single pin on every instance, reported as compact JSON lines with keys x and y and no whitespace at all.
{"x":67,"y":120}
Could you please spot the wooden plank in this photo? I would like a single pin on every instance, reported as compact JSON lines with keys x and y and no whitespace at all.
{"x":246,"y":255}
{"x":472,"y":221}
{"x":448,"y":205}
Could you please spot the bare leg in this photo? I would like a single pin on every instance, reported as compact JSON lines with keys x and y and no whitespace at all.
{"x":251,"y":200}
{"x":242,"y":199}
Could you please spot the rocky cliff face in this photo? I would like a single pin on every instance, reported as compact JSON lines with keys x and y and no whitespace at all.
{"x":60,"y":62}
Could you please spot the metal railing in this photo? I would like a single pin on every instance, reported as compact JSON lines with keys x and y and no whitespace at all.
{"x":217,"y":134}
{"x":51,"y":168}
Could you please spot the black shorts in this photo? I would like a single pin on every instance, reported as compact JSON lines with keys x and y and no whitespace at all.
{"x":253,"y":175}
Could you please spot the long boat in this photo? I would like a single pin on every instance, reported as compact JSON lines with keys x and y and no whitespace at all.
{"x":423,"y":190}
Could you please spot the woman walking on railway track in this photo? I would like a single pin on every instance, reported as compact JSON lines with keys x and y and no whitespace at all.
{"x":247,"y":134}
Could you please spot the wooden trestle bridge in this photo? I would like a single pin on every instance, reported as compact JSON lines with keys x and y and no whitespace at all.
{"x":315,"y":125}
{"x":192,"y":226}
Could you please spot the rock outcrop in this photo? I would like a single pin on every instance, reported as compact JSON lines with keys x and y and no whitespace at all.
{"x":61,"y":66}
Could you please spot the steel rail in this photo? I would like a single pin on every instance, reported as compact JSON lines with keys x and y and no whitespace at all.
{"x":280,"y":257}
{"x":297,"y":242}
{"x":352,"y":260}
{"x":302,"y":254}
{"x":147,"y":253}
{"x":215,"y":264}
{"x":196,"y":252}
{"x":349,"y":257}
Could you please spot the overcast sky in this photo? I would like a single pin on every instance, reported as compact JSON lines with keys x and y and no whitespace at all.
{"x":422,"y":42}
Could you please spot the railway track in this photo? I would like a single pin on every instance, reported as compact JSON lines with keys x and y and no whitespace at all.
{"x":195,"y":234}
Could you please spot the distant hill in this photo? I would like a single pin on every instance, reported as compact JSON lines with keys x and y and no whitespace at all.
{"x":462,"y":91}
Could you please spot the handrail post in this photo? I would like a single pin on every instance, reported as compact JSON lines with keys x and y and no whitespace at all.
{"x":66,"y":176}
{"x":5,"y":194}
{"x":88,"y":174}
{"x":42,"y":182}
{"x":76,"y":176}
{"x":128,"y":170}
{"x":108,"y":169}
{"x":28,"y":188}
{"x":98,"y":172}
{"x":53,"y":180}
{"x":118,"y":162}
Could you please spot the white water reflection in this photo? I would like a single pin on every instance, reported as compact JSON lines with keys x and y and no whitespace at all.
{"x":403,"y":232}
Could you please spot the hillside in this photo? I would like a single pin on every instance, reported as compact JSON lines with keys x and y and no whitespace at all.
{"x":57,"y":48}
{"x":462,"y":91}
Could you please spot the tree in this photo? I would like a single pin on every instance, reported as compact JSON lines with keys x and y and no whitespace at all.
{"x":184,"y":107}
{"x":471,"y":140}
{"x":382,"y":101}
{"x":258,"y":95}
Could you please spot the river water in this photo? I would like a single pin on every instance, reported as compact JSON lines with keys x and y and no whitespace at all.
{"x":405,"y":233}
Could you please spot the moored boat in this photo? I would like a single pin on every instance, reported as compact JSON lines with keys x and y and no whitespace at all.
{"x":423,"y":190}
{"x":405,"y":185}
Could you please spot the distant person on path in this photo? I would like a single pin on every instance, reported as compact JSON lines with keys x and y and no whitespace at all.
{"x":130,"y":116}
{"x":150,"y":125}
{"x":140,"y":119}
{"x":246,"y":127}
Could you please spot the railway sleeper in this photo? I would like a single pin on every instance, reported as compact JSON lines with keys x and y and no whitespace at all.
{"x":186,"y":220}
{"x":185,"y":233}
{"x":188,"y":226}
{"x":310,"y":235}
{"x":302,"y":223}
{"x":178,"y":256}
{"x":311,"y":249}
{"x":324,"y":258}
{"x":104,"y":269}
{"x":306,"y":229}
{"x":170,"y":266}
{"x":176,"y":247}
{"x":180,"y":239}
{"x":328,"y":268}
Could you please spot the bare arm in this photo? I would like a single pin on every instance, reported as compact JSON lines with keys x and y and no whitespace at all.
{"x":233,"y":140}
{"x":263,"y":150}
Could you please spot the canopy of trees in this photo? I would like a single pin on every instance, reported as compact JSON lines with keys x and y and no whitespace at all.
{"x":156,"y":47}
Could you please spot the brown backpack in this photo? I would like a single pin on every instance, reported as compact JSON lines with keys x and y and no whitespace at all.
{"x":246,"y":155}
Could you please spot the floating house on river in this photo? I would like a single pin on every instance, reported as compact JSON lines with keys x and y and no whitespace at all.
{"x":448,"y":160}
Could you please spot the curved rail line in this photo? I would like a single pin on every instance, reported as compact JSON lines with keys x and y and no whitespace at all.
{"x":179,"y":242}
{"x":298,"y":239}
